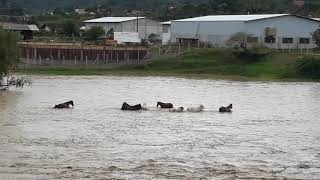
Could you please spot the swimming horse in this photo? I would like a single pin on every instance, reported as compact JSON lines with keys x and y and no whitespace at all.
{"x":64,"y":105}
{"x":225,"y":109}
{"x":180,"y":109}
{"x":127,"y":107}
{"x":144,"y":107}
{"x":196,"y":109}
{"x":165,"y":105}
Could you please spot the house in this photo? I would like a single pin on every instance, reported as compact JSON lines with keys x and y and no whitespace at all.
{"x":269,"y":30}
{"x":144,"y":26}
{"x":45,"y":28}
{"x":26,"y":30}
{"x":80,"y":11}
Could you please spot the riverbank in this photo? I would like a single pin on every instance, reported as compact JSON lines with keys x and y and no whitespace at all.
{"x":202,"y":63}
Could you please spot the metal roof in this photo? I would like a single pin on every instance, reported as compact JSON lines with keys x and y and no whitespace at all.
{"x":19,"y":27}
{"x":166,"y":23}
{"x":232,"y":17}
{"x":33,"y":27}
{"x":112,"y":19}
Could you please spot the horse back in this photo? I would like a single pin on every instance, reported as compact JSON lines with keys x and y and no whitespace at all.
{"x":126,"y":106}
{"x":166,"y":105}
{"x":137,"y":107}
{"x":60,"y":106}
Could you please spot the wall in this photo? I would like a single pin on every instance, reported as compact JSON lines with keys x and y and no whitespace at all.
{"x":117,"y":27}
{"x":146,"y":27}
{"x":286,"y":27}
{"x":217,"y":33}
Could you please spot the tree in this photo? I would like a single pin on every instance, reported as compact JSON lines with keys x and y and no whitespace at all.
{"x":9,"y":60}
{"x":3,"y":2}
{"x":94,"y":33}
{"x":110,"y":34}
{"x":70,"y":28}
{"x":8,"y":49}
{"x":316,"y":37}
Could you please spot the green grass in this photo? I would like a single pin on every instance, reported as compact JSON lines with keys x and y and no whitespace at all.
{"x":200,"y":63}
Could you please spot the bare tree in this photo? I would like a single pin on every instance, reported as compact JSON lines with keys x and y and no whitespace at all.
{"x":9,"y":80}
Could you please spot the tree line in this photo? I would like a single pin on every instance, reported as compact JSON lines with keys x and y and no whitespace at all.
{"x":173,"y":9}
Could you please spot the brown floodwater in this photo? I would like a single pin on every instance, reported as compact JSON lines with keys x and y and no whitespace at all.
{"x":274,"y":130}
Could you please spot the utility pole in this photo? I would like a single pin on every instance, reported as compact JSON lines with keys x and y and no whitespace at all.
{"x":137,"y":14}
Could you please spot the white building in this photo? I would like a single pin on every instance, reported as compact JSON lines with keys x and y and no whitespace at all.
{"x":145,"y":26}
{"x":271,"y":30}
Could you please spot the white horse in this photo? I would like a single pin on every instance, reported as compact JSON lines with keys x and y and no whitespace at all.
{"x":180,"y":109}
{"x":196,"y":108}
{"x":144,"y":107}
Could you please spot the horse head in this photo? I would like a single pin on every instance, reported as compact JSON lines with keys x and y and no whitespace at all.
{"x":71,"y":102}
{"x":230,"y":106}
{"x":159,"y":104}
{"x":202,"y":107}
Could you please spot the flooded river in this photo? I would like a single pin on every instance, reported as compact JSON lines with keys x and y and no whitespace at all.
{"x":274,"y":130}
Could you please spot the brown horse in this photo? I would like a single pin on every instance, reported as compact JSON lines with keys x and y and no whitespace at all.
{"x":127,"y":107}
{"x":225,"y":109}
{"x":165,"y":105}
{"x":64,"y":105}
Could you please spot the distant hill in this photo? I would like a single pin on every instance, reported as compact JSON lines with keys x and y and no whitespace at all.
{"x":174,"y":9}
{"x":52,"y":4}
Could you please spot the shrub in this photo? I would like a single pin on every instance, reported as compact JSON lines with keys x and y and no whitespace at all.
{"x":250,"y":55}
{"x":308,"y":67}
{"x":94,"y":34}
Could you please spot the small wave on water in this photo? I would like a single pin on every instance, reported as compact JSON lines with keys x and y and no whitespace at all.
{"x":272,"y":132}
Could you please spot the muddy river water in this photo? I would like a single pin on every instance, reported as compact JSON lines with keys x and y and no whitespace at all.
{"x":274,"y":130}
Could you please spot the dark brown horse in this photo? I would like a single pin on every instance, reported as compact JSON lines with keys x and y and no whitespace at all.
{"x":226,"y":109}
{"x":165,"y":105}
{"x":64,"y":105}
{"x":127,"y":107}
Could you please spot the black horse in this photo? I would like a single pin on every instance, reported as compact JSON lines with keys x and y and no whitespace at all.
{"x":127,"y":107}
{"x":165,"y":105}
{"x":64,"y":105}
{"x":225,"y":109}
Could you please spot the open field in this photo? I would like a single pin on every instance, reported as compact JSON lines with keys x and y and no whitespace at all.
{"x":201,"y":63}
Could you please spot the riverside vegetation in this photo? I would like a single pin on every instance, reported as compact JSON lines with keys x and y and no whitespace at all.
{"x":253,"y":64}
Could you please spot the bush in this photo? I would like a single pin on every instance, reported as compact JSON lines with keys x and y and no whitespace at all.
{"x":94,"y":33}
{"x":250,"y":55}
{"x":308,"y":67}
{"x":70,"y":29}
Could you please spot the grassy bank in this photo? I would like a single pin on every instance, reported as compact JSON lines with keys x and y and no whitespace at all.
{"x":202,"y":63}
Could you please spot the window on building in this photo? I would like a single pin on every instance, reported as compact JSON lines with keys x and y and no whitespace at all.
{"x":304,"y":41}
{"x":252,"y":39}
{"x":270,"y":39}
{"x":287,"y":40}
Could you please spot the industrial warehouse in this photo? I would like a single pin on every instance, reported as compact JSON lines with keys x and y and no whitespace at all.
{"x":267,"y":30}
{"x":135,"y":27}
